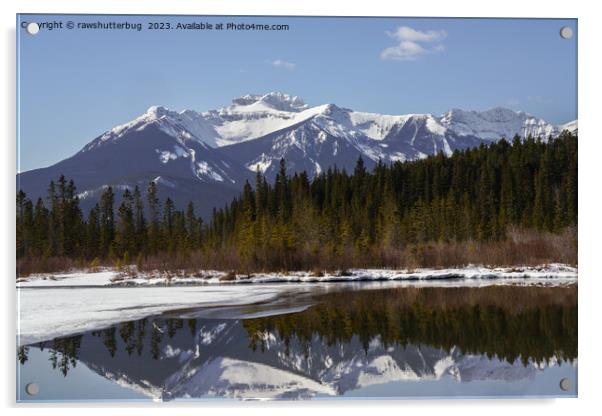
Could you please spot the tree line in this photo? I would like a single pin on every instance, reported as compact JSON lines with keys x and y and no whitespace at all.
{"x":139,"y":225}
{"x":475,"y":195}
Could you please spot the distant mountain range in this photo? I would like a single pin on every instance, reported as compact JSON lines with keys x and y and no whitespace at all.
{"x":207,"y":157}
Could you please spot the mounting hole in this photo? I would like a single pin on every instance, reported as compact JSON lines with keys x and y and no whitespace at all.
{"x":32,"y":389}
{"x":565,"y":384}
{"x":566,"y":32}
{"x":32,"y":28}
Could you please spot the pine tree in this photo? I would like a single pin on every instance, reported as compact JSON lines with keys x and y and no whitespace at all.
{"x":193,"y":227}
{"x":281,"y":193}
{"x":168,"y":223}
{"x":140,"y":230}
{"x":93,"y":233}
{"x":72,"y":225}
{"x":246,"y":244}
{"x":53,"y":220}
{"x":126,"y":226}
{"x":486,"y":223}
{"x":25,"y":225}
{"x":107,"y":221}
{"x":180,"y":242}
{"x":368,"y":218}
{"x":41,"y":228}
{"x":154,"y":209}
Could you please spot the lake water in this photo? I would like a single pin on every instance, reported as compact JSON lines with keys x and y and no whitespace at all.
{"x":392,"y":341}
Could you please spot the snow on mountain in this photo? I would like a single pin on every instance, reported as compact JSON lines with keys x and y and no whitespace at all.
{"x":152,"y":148}
{"x":273,"y":100}
{"x":227,"y":377}
{"x":571,"y":126}
{"x":182,"y":125}
{"x":496,"y":123}
{"x":306,"y":146}
{"x":253,"y":116}
{"x":207,"y":156}
{"x":316,"y":138}
{"x":319,"y":137}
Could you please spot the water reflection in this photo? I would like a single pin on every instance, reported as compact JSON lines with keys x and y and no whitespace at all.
{"x":343,"y":344}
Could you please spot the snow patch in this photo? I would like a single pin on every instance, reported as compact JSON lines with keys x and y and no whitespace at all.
{"x":555,"y":273}
{"x":44,"y":314}
{"x":203,"y":169}
{"x":160,"y":180}
{"x":167,"y":155}
{"x":262,"y":163}
{"x":496,"y":123}
{"x":207,"y":336}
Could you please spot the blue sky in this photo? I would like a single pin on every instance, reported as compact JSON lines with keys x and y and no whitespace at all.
{"x":76,"y":84}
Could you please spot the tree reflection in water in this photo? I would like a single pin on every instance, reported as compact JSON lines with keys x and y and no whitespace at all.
{"x":530,"y":324}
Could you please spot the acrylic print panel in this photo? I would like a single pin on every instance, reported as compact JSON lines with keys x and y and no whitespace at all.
{"x":222,"y":207}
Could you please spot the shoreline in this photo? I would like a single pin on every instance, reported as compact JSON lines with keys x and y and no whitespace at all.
{"x":114,"y":278}
{"x":76,"y":302}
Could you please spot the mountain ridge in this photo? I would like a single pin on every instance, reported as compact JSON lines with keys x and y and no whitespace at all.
{"x":208,"y":156}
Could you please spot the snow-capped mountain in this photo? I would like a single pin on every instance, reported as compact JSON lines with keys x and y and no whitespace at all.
{"x":149,"y":149}
{"x":497,"y":122}
{"x":316,"y":138}
{"x":216,"y":360}
{"x":207,"y":156}
{"x":258,"y":130}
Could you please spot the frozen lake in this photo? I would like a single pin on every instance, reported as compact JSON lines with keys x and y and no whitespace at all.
{"x":389,"y":339}
{"x":49,"y":307}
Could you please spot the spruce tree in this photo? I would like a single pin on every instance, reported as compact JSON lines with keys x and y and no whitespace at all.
{"x":107,"y":221}
{"x":140,"y":229}
{"x":154,"y":210}
{"x":126,"y":227}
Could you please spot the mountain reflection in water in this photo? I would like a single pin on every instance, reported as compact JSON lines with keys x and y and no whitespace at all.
{"x":344,"y":343}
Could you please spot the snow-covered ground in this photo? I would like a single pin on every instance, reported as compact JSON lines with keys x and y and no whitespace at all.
{"x":46,"y":313}
{"x":553,"y":273}
{"x":68,"y":279}
{"x":50,"y":306}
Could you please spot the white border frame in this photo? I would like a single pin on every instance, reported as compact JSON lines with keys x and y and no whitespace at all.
{"x":590,"y":151}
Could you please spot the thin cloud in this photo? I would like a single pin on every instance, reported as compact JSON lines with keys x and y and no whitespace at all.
{"x":281,"y":63}
{"x":413,"y":44}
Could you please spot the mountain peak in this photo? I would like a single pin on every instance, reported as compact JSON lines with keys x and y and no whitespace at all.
{"x":500,"y":113}
{"x":156,"y":112}
{"x":497,"y":122}
{"x":275,"y":99}
{"x":494,"y":114}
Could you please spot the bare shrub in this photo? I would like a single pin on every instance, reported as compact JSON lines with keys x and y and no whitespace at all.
{"x":228,"y":277}
{"x":522,"y":247}
{"x":94,"y":265}
{"x":27,"y":266}
{"x":117,"y":278}
{"x":317,"y":272}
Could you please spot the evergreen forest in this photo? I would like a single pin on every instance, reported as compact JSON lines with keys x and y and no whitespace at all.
{"x":509,"y":202}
